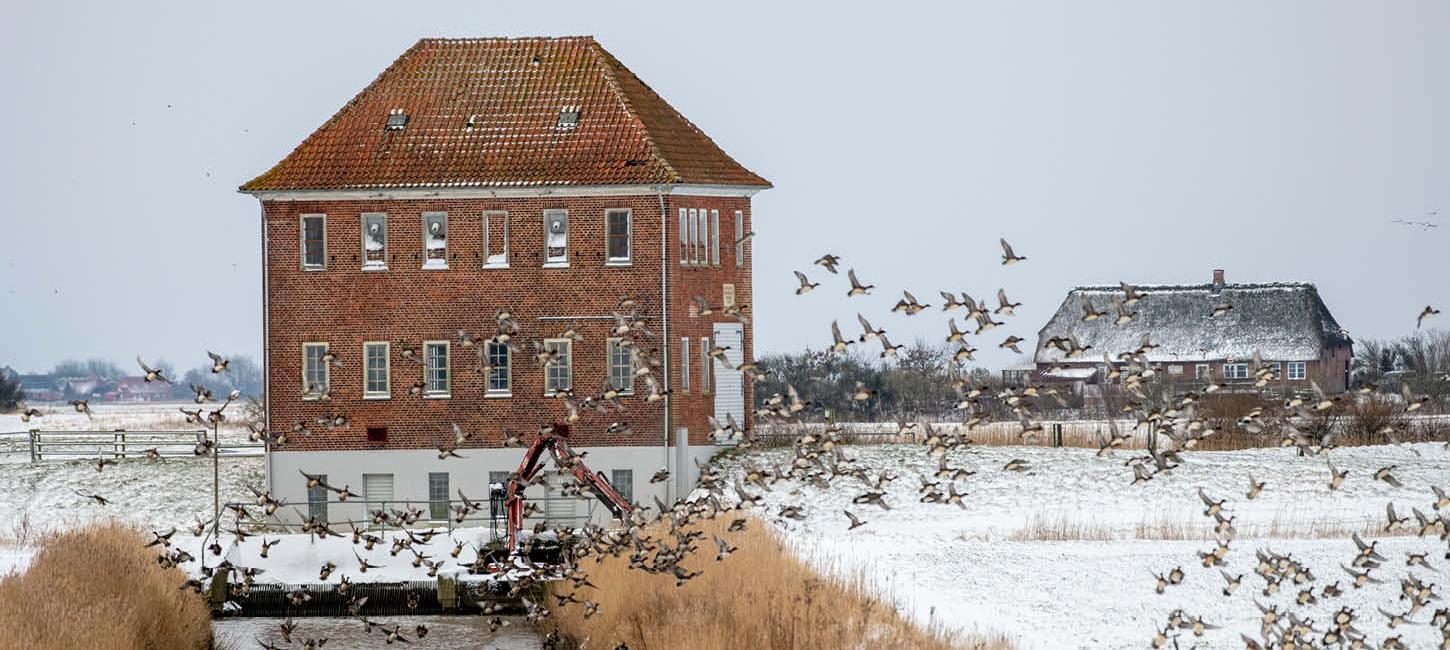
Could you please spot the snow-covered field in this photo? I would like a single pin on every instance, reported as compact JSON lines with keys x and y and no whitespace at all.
{"x":980,"y":568}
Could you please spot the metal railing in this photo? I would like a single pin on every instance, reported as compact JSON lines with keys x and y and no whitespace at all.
{"x":73,"y":445}
{"x":359,"y":513}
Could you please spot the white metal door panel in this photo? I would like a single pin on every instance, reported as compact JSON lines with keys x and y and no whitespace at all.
{"x":729,"y":383}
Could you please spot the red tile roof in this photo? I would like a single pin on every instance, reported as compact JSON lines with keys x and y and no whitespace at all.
{"x":513,"y":90}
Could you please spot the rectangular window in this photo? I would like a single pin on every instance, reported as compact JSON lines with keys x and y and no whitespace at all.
{"x":685,"y":364}
{"x":694,"y":236}
{"x":317,"y":501}
{"x":314,"y":242}
{"x":684,"y":237}
{"x":558,"y":373}
{"x":1277,"y":369}
{"x":1175,"y":369}
{"x":495,"y":240}
{"x":377,"y":491}
{"x":702,"y":240}
{"x":617,"y":236}
{"x":1201,"y":371}
{"x":1235,"y":371}
{"x":739,"y":238}
{"x":435,"y":368}
{"x":435,"y":240}
{"x":715,"y":237}
{"x":499,"y":383}
{"x":727,"y":295}
{"x":438,"y":495}
{"x":705,"y":365}
{"x":314,"y":370}
{"x":622,"y":480}
{"x":374,"y":241}
{"x":1298,"y":370}
{"x":621,"y":370}
{"x":375,"y":370}
{"x":556,"y":238}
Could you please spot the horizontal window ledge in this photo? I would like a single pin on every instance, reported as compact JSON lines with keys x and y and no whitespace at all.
{"x":377,"y":267}
{"x":499,"y":394}
{"x":500,"y":265}
{"x":556,"y":265}
{"x":435,"y":266}
{"x":377,"y":396}
{"x":619,"y":263}
{"x":437,"y":396}
{"x":314,"y":268}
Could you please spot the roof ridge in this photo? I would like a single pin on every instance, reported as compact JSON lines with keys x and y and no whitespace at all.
{"x":1201,"y":285}
{"x":606,"y":62}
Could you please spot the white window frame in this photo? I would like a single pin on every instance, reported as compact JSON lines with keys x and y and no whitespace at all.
{"x":611,"y":347}
{"x":628,"y":238}
{"x":1241,"y":371}
{"x":684,"y":364}
{"x":438,"y":507}
{"x":567,"y":365}
{"x":1175,"y":369}
{"x":508,"y":371}
{"x":739,"y":238}
{"x":1303,"y":371}
{"x":387,"y":391}
{"x":715,"y":238}
{"x":431,"y":263}
{"x":727,"y":294}
{"x":428,"y":392}
{"x":705,"y":379}
{"x":684,"y":237}
{"x":626,"y":482}
{"x":371,"y":265}
{"x":556,"y":262}
{"x":702,"y":237}
{"x":1202,"y":371}
{"x":307,"y":393}
{"x":302,"y":241}
{"x":488,"y":255}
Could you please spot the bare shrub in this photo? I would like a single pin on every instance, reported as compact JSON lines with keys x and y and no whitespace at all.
{"x":98,"y":587}
{"x":761,"y":596}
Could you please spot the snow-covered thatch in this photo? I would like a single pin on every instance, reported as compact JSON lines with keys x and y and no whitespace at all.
{"x":1284,"y":321}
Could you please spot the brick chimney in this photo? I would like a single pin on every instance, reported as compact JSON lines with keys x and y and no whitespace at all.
{"x":1218,"y":277}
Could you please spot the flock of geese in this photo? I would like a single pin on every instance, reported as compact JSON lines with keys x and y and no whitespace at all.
{"x":661,"y":539}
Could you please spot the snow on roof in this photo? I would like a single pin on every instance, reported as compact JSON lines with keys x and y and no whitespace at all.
{"x":1071,"y":373}
{"x":1283,"y":321}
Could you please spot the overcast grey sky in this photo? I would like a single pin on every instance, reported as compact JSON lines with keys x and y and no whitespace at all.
{"x":1148,"y":141}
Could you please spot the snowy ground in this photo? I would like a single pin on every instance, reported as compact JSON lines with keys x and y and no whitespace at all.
{"x":975,"y":569}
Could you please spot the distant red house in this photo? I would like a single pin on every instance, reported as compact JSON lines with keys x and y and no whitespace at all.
{"x":137,"y":389}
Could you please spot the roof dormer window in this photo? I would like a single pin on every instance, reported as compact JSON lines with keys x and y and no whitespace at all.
{"x":397,"y":120}
{"x":568,"y":117}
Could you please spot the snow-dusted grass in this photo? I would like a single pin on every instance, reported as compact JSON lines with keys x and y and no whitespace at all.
{"x":984,"y":567}
{"x":42,"y":498}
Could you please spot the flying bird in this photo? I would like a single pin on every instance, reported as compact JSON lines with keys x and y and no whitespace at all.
{"x":1009,"y":257}
{"x":828,"y":261}
{"x":857,"y":289}
{"x":1428,"y":312}
{"x":806,"y":284}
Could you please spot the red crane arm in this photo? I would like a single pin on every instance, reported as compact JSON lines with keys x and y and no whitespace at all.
{"x":530,"y":466}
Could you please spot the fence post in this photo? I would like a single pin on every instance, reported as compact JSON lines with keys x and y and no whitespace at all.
{"x":34,"y":450}
{"x":1057,"y":434}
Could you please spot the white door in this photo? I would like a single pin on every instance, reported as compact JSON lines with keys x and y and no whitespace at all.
{"x":729,"y":384}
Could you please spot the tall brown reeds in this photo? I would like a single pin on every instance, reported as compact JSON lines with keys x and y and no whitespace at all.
{"x":98,"y":587}
{"x":761,"y":596}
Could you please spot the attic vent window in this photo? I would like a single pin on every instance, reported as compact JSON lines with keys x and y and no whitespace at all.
{"x":397,"y":120}
{"x":569,"y":117}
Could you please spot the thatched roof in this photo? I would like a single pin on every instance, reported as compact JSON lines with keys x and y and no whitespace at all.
{"x":1284,"y":321}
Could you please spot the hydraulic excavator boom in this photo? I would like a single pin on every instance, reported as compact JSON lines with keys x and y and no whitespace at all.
{"x":556,"y":443}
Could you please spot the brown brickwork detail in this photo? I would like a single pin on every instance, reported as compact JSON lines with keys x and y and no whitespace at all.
{"x":345,"y":306}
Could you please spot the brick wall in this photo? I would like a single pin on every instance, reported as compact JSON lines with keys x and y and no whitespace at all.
{"x":345,"y":306}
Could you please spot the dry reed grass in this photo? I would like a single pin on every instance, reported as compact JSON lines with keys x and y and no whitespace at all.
{"x":761,"y":596}
{"x":97,"y":587}
{"x":1061,"y":527}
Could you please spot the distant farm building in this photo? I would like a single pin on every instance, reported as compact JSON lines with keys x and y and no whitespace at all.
{"x":1203,"y":333}
{"x":137,"y":389}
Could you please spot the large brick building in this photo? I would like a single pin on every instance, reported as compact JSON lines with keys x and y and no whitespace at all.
{"x":537,"y":176}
